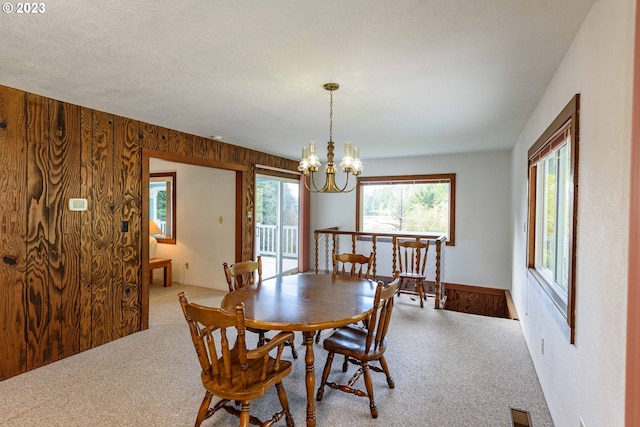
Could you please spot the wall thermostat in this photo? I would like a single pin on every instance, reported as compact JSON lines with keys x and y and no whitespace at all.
{"x":77,"y":204}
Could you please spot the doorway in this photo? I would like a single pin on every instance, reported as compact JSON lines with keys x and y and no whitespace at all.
{"x":189,"y":207}
{"x":277,"y":224}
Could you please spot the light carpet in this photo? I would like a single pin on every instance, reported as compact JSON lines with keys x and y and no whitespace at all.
{"x":450,"y":369}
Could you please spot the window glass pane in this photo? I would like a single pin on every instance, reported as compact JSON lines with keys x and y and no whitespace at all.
{"x":553,"y":218}
{"x":277,"y":210}
{"x":162,"y":193}
{"x":158,"y":204}
{"x":416,"y":207}
{"x":549,"y":215}
{"x":564,"y":221}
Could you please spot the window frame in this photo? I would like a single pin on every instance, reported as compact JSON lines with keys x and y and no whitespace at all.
{"x":168,"y":177}
{"x":551,"y":141}
{"x":450,"y":178}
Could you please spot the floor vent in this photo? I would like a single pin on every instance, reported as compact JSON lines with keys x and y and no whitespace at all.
{"x":520,"y":418}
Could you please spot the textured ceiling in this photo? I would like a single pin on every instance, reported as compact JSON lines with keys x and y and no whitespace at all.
{"x":417,"y":77}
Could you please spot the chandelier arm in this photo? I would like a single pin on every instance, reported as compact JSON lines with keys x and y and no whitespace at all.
{"x":304,"y":179}
{"x":344,"y":190}
{"x":349,"y":190}
{"x":313,"y":183}
{"x":346,"y":182}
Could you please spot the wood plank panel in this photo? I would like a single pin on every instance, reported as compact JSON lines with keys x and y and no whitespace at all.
{"x":64,"y":229}
{"x":202,"y":147}
{"x":117,"y":281}
{"x":162,"y":135}
{"x":86,"y":229}
{"x":127,"y":207}
{"x":132,"y":211}
{"x":149,"y":136}
{"x":38,"y":310}
{"x":13,"y":230}
{"x":248,"y":189}
{"x":102,"y":300}
{"x":179,"y":143}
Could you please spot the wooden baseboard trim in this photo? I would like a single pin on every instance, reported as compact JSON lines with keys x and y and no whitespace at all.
{"x":471,"y":288}
{"x":511,"y":307}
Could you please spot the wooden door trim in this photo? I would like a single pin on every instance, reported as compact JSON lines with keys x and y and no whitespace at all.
{"x":632,"y":409}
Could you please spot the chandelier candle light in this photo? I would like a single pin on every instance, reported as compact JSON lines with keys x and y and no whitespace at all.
{"x":310,"y":162}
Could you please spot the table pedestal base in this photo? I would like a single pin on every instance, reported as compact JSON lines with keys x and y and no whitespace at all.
{"x":310,"y":378}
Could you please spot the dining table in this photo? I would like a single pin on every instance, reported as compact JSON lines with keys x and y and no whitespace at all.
{"x":305,"y":303}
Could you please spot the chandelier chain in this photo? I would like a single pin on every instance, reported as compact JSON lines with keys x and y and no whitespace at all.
{"x":331,"y":115}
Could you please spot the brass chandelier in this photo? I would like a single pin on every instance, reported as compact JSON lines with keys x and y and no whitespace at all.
{"x":350,"y":164}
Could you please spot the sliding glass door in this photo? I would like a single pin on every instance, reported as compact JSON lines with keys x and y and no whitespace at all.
{"x":277,"y":224}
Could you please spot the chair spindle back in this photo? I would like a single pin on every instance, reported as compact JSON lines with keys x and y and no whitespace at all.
{"x":380,"y":317}
{"x":412,"y":256}
{"x":243,"y":273}
{"x":355,"y":265}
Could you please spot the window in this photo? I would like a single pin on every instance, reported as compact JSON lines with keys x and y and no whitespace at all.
{"x":421,"y":204}
{"x":553,"y":185}
{"x":162,"y":205}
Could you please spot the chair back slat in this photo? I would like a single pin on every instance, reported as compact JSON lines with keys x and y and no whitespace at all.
{"x":412,"y":256}
{"x":243,"y":273}
{"x":355,"y":265}
{"x":378,"y":321}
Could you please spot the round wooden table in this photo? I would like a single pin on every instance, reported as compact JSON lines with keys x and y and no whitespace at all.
{"x":306,"y":303}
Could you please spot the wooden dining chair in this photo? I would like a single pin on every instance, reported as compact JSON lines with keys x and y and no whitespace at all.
{"x":356,"y":265}
{"x":361,"y":345}
{"x":229,"y":370}
{"x":246,"y":273}
{"x":243,"y":273}
{"x":348,"y":264}
{"x":412,"y":259}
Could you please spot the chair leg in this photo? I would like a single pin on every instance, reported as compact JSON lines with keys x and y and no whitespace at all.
{"x":244,"y":413}
{"x":261,"y":339}
{"x":420,"y":286}
{"x":385,"y":368}
{"x":369,"y":385}
{"x":292,"y":344}
{"x":318,"y":337}
{"x":345,"y":364}
{"x":285,"y":404}
{"x":325,"y":376}
{"x":204,"y":407}
{"x":400,"y":287}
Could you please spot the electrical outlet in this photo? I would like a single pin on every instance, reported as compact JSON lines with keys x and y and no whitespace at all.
{"x":542,"y":344}
{"x":186,"y":265}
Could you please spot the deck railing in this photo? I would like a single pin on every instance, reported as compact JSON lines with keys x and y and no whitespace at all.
{"x":383,"y":246}
{"x":267,"y":240}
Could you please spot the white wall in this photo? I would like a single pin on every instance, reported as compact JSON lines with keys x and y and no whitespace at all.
{"x":586,"y":380}
{"x":203,"y":195}
{"x":481,"y":255}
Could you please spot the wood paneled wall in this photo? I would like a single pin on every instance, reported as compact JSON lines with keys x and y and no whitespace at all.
{"x":477,"y":300}
{"x":69,"y":280}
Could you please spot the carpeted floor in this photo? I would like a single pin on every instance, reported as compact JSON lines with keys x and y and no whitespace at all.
{"x":450,"y":369}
